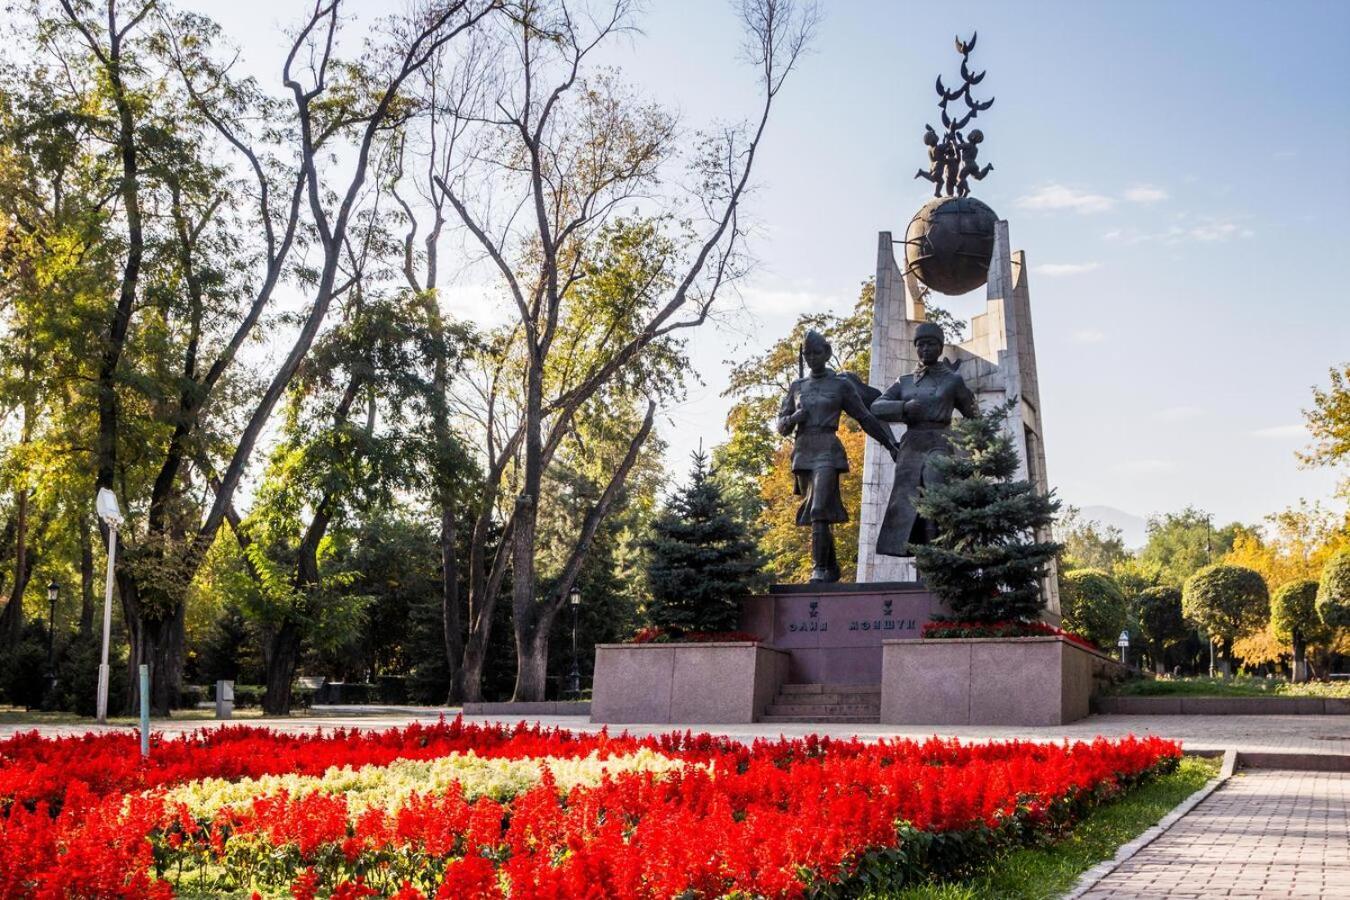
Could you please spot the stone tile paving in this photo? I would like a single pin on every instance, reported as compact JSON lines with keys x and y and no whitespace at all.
{"x":1262,"y":834}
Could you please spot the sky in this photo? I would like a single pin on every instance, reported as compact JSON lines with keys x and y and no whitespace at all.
{"x":1175,"y":172}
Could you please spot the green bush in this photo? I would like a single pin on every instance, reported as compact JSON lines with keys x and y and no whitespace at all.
{"x":190,"y":695}
{"x":1294,"y":619}
{"x":23,"y":676}
{"x":1333,"y":593}
{"x":1092,"y":605}
{"x":1293,"y":613}
{"x":1161,"y":623}
{"x":1227,"y":602}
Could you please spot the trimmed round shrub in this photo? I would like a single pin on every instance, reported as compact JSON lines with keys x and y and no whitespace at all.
{"x":1093,"y":605}
{"x":1226,"y":601}
{"x":1333,"y":594}
{"x":1161,"y":623}
{"x":1293,"y":613}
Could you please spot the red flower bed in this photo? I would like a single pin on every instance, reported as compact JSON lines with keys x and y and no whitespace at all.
{"x":947,"y":630}
{"x":84,"y":817}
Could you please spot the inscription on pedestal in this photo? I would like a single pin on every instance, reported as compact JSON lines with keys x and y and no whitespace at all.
{"x":835,"y":636}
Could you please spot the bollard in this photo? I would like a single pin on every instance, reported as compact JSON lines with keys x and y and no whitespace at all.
{"x":145,"y":711}
{"x":224,"y":699}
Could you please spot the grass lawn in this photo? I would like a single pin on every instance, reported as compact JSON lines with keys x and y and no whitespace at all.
{"x":17,"y":715}
{"x":1239,"y":686}
{"x":1050,"y":871}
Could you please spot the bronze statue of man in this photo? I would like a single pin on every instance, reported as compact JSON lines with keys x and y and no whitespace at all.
{"x":923,"y":401}
{"x":810,"y":414}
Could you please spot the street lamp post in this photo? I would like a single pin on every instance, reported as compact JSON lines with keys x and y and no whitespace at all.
{"x":53,"y":591}
{"x":112,"y":517}
{"x":574,"y":678}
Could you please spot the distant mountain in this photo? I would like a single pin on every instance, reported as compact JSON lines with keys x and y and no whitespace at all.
{"x":1132,"y":528}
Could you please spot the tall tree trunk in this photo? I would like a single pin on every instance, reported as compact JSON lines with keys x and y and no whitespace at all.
{"x":451,"y":624}
{"x":532,"y":654}
{"x":1226,"y":658}
{"x":1300,"y":659}
{"x":534,"y":623}
{"x":86,"y":581}
{"x":11,"y":620}
{"x":281,"y":654}
{"x":156,"y":630}
{"x":523,"y":602}
{"x":471,"y":670}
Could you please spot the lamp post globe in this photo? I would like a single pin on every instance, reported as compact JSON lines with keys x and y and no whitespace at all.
{"x":574,"y":677}
{"x":53,"y":592}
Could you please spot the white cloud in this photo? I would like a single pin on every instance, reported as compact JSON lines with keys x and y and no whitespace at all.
{"x":1208,"y":230}
{"x":1215,"y":230}
{"x":1282,"y":431}
{"x":1146,"y":466}
{"x":1145,"y":193}
{"x":1054,"y":270}
{"x":1058,"y":196}
{"x":1088,"y":336}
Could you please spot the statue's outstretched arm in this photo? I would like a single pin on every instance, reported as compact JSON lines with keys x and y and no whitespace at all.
{"x":878,"y":430}
{"x":889,"y":407}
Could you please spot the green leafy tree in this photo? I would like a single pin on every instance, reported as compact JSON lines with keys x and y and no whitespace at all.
{"x":1227,"y":602}
{"x":1092,"y":605}
{"x":1333,"y":592}
{"x":983,"y":562}
{"x":701,"y":562}
{"x":1294,"y":620}
{"x":1181,"y":543}
{"x":1157,"y":610}
{"x":1088,"y":544}
{"x":1329,"y":424}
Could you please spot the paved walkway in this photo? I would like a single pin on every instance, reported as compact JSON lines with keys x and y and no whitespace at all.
{"x":1251,"y":734}
{"x":1262,"y":834}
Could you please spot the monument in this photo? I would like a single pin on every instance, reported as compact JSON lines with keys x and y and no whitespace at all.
{"x":852,"y":652}
{"x":810,"y":416}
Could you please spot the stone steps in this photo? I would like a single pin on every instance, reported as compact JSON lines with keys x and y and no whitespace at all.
{"x":826,"y":703}
{"x":830,"y":688}
{"x":817,"y":720}
{"x":823,"y":710}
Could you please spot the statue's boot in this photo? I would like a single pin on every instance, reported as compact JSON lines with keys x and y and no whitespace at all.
{"x":824,"y":563}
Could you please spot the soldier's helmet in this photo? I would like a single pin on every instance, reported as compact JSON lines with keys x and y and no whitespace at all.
{"x":930,"y":330}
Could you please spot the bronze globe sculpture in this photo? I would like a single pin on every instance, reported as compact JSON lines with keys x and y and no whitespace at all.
{"x":950,"y":240}
{"x":949,"y":243}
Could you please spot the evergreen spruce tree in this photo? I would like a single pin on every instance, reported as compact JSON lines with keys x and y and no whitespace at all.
{"x":701,"y":563}
{"x":984,"y":560}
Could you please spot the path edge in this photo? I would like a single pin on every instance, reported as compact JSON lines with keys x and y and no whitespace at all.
{"x":1089,"y":879}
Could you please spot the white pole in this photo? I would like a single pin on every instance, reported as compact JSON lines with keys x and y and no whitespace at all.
{"x":107,"y":628}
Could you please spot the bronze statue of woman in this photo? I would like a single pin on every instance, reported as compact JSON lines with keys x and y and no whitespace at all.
{"x":810,"y":413}
{"x":924,"y":402}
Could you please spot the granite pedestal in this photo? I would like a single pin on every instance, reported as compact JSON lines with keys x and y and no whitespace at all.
{"x":990,"y":681}
{"x":833,"y":633}
{"x":728,"y":682}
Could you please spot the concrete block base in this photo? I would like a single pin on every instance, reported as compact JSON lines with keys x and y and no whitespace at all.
{"x":689,"y":684}
{"x":988,"y":681}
